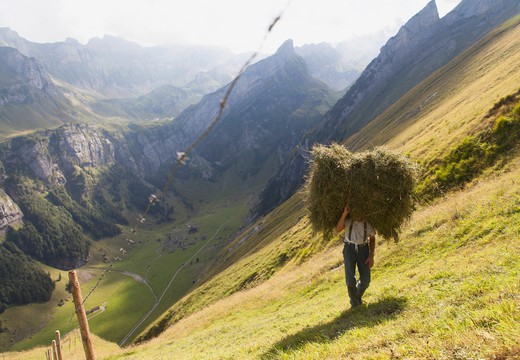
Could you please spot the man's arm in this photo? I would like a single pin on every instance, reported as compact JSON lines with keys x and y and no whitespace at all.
{"x":372,"y":248}
{"x":341,"y":222}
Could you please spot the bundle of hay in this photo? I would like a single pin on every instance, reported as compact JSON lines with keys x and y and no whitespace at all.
{"x":377,"y":185}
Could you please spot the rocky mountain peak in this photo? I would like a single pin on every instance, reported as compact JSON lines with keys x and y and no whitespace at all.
{"x":10,"y":38}
{"x":23,"y":72}
{"x":286,"y":49}
{"x":425,"y":18}
{"x":110,"y":43}
{"x":414,"y":31}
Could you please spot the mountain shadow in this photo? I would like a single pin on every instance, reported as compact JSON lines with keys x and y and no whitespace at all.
{"x":364,"y":316}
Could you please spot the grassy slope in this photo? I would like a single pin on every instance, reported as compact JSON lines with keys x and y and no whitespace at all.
{"x":451,"y":103}
{"x":441,"y":111}
{"x":449,"y":290}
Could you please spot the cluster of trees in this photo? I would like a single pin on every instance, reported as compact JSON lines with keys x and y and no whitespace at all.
{"x":23,"y":281}
{"x":139,"y":198}
{"x":90,"y":219}
{"x":50,"y":234}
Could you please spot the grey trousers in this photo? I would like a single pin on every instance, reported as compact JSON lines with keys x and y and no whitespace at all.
{"x":356,"y":255}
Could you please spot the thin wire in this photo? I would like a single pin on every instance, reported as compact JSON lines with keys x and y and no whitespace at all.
{"x":89,"y":293}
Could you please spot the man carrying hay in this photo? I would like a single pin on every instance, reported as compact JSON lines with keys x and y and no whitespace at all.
{"x":378,"y":187}
{"x":360,"y":242}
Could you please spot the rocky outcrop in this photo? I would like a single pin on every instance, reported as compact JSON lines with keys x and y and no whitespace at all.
{"x":10,"y":213}
{"x":51,"y":155}
{"x":81,"y":145}
{"x":24,"y":79}
{"x":32,"y":153}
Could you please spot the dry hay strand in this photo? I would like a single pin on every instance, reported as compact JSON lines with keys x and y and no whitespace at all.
{"x":377,"y":185}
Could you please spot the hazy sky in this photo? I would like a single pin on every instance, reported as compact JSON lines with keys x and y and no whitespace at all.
{"x":237,"y":24}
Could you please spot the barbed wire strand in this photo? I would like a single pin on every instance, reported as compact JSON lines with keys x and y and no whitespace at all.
{"x":89,"y":293}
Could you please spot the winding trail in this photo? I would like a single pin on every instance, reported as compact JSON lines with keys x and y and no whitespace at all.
{"x":159,"y":299}
{"x":135,"y":276}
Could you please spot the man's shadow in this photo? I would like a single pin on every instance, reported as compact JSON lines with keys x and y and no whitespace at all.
{"x":362,"y":316}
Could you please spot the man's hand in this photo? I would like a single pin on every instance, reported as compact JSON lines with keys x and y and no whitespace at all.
{"x":341,"y":222}
{"x":370,"y":261}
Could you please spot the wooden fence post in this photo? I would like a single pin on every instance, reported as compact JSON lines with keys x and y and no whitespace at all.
{"x":82,"y":317}
{"x":58,"y":345}
{"x":54,"y":351}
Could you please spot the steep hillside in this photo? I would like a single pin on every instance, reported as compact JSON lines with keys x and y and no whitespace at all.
{"x":278,"y":109}
{"x":448,"y":290}
{"x":423,"y":45}
{"x":454,"y":101}
{"x":471,"y":301}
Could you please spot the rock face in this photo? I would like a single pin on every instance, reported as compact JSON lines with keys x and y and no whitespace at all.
{"x":83,"y":146}
{"x":470,"y":8}
{"x":25,"y":80}
{"x":51,"y":155}
{"x":423,"y":45}
{"x":28,"y":97}
{"x":32,"y":153}
{"x":10,"y":213}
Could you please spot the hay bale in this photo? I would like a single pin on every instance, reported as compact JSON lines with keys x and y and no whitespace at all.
{"x":378,"y":186}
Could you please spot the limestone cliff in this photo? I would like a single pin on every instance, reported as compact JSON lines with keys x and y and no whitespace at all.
{"x":24,"y":79}
{"x":10,"y":213}
{"x":51,"y":155}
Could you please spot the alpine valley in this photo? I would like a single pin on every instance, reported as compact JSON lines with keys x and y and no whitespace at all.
{"x":210,"y":254}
